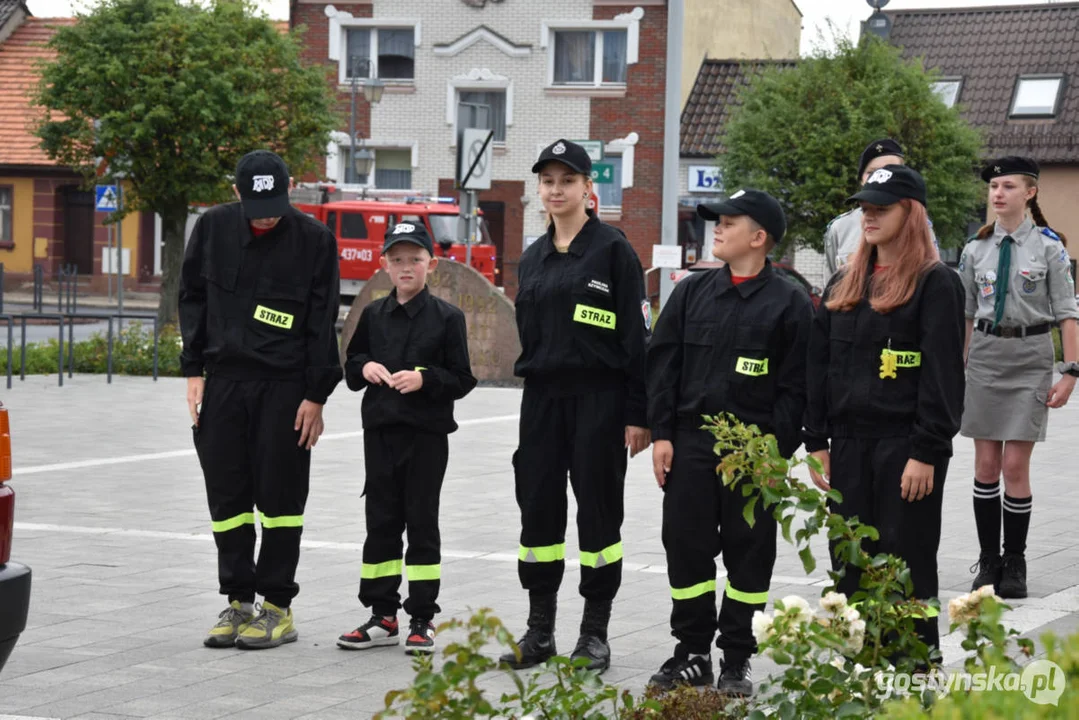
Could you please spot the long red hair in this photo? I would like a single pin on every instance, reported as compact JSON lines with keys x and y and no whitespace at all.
{"x":893,"y":286}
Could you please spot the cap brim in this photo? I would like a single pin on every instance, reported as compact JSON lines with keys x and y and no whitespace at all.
{"x":260,"y":208}
{"x":712,"y":211}
{"x":538,"y":166}
{"x":877,"y":197}
{"x":410,"y":240}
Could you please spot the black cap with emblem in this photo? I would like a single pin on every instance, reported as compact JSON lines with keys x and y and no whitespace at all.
{"x":263,"y":183}
{"x":568,"y":153}
{"x":409,"y":232}
{"x":760,"y":206}
{"x":890,"y":184}
{"x":1011,"y":165}
{"x":876,"y":149}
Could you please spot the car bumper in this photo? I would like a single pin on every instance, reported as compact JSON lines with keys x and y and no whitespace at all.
{"x":14,"y":606}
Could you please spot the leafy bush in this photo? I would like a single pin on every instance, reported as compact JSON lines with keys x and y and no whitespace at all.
{"x":132,"y":353}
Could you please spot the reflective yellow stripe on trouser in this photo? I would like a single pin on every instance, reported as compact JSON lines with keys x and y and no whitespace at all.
{"x":424,"y":572}
{"x":282,"y":521}
{"x":693,"y":591}
{"x":755,"y":598}
{"x":607,"y":556}
{"x":233,"y":522}
{"x":545,"y":554}
{"x":373,"y":571}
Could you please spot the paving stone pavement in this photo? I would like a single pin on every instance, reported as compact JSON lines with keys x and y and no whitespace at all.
{"x":111,"y":515}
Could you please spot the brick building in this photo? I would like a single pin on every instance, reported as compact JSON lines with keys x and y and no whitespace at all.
{"x":578,"y":69}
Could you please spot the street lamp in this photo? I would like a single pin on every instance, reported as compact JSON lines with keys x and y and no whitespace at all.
{"x":372,"y":93}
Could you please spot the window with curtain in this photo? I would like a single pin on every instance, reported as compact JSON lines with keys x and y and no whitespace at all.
{"x":614,"y":56}
{"x":396,"y":54}
{"x":496,"y":101}
{"x":610,"y":194}
{"x":358,"y":47}
{"x":393,"y":169}
{"x":6,"y":232}
{"x":574,"y":57}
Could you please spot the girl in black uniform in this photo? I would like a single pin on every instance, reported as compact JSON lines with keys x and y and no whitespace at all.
{"x":583,"y":319}
{"x":885,"y":381}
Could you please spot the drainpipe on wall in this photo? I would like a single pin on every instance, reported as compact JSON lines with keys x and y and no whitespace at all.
{"x":671,"y":128}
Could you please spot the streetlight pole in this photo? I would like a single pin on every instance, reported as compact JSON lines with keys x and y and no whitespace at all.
{"x":372,"y":92}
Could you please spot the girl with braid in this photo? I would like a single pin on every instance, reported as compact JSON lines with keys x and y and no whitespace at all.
{"x":1017,"y":277}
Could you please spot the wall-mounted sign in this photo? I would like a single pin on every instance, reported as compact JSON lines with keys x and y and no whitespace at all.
{"x":704,"y":178}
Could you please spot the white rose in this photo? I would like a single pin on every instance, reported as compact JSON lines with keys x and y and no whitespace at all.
{"x":851,"y":615}
{"x":838,"y":662}
{"x":762,"y":626}
{"x":985,"y":591}
{"x":833,"y":602}
{"x":797,"y":608}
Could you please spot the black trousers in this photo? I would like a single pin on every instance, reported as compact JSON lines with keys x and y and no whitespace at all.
{"x":702,"y":519}
{"x":405,"y":468}
{"x":869,"y":472}
{"x":582,"y":435}
{"x":247,"y":446}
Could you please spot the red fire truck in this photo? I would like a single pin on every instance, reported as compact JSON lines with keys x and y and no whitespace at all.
{"x":360,"y":221}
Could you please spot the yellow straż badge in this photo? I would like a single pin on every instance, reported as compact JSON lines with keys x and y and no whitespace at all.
{"x":273,"y":317}
{"x":892,"y":360}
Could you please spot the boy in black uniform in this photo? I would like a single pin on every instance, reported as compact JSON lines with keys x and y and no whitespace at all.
{"x":258,"y":313}
{"x":410,"y":350}
{"x":730,"y":340}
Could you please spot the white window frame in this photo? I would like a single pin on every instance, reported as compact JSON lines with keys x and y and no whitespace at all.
{"x":477,"y":80}
{"x":630,"y":22}
{"x":335,"y":169}
{"x":940,"y":83}
{"x":341,"y":22}
{"x":1053,"y":112}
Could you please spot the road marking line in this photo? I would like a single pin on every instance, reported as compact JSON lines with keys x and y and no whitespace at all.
{"x":124,"y":459}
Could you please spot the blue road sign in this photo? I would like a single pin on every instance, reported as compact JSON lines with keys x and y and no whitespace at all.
{"x":106,"y":198}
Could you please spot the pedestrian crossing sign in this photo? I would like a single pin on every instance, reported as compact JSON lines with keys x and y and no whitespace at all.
{"x":106,"y":198}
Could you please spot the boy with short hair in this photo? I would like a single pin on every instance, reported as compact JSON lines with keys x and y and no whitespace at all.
{"x":410,"y":352}
{"x":729,"y":340}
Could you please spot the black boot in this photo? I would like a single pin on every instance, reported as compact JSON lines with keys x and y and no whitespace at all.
{"x":735,"y":677}
{"x":592,"y":645}
{"x":1013,"y":576}
{"x":537,"y":645}
{"x":988,"y":568}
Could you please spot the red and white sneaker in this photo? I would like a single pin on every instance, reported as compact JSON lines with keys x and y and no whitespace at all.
{"x":376,"y":632}
{"x":421,"y":637}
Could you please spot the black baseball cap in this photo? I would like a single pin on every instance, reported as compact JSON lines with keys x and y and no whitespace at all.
{"x":760,"y":206}
{"x":876,"y":149}
{"x":1011,"y":165}
{"x":262,"y":180}
{"x":569,"y":154}
{"x":890,"y":184}
{"x":409,"y":232}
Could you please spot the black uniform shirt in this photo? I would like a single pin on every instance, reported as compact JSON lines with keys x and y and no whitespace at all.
{"x":582,"y":315}
{"x":856,"y":390}
{"x":426,"y":334}
{"x":261,"y":307}
{"x":720,"y":347}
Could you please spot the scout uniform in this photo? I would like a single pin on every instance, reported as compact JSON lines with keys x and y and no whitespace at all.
{"x":723,"y":347}
{"x":844,"y":233}
{"x":583,"y":319}
{"x":405,"y":451}
{"x":885,"y":389}
{"x":258,"y":315}
{"x":1017,"y":286}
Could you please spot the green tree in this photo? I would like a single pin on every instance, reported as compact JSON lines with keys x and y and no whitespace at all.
{"x":799,"y":131}
{"x":172,"y":95}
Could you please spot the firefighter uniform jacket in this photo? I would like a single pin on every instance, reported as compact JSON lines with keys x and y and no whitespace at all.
{"x":261,"y":308}
{"x":582,"y":315}
{"x":721,"y":347}
{"x":895,"y":375}
{"x":425,"y":334}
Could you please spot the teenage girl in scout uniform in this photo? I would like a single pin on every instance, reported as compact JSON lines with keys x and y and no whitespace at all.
{"x":1017,"y":276}
{"x":885,"y":382}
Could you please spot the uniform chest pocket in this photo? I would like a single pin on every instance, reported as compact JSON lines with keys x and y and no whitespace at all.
{"x":278,"y":305}
{"x":224,"y":276}
{"x":593,"y":303}
{"x":752,"y":373}
{"x":1031,"y":278}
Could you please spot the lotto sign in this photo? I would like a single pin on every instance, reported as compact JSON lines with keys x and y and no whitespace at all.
{"x":704,"y":178}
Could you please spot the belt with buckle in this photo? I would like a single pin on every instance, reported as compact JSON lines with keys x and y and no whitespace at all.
{"x":1012,"y":332}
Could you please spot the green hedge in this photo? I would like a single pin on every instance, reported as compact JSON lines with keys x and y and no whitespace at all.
{"x":132,"y":353}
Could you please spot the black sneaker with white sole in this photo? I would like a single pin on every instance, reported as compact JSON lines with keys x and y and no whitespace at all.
{"x":683,"y":670}
{"x":376,"y":632}
{"x":735,"y":678}
{"x":421,"y":637}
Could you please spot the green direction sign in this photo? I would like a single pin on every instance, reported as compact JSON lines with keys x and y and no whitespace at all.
{"x":602,"y":173}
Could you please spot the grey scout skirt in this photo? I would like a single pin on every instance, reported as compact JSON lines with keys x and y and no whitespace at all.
{"x":1008,"y":381}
